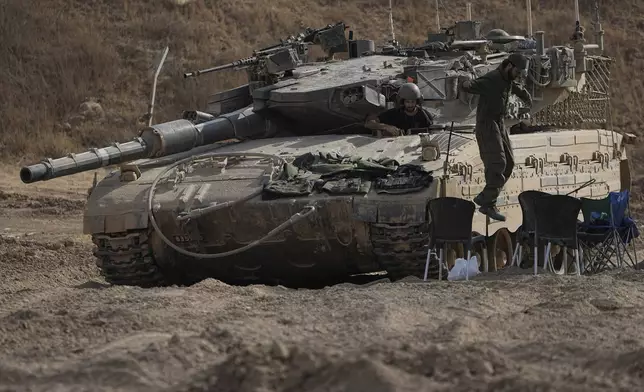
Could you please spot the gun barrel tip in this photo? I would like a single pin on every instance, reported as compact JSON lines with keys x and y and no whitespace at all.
{"x":26,"y":175}
{"x":33,"y":173}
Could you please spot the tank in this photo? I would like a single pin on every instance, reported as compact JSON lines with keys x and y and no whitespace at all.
{"x":279,"y":182}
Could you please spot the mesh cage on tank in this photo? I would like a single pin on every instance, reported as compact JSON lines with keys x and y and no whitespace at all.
{"x":586,"y":107}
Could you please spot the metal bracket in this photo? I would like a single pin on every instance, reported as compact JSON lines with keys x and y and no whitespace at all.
{"x":531,"y":161}
{"x":575,"y":163}
{"x":538,"y":165}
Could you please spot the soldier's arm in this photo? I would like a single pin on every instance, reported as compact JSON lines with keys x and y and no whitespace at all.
{"x":429,"y":116}
{"x":373,"y":122}
{"x":522,"y":93}
{"x":479,"y":86}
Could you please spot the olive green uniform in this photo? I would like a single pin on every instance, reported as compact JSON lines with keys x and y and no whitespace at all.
{"x":494,"y":142}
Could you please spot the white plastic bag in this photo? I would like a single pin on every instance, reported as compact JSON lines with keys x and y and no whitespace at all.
{"x":460,"y":266}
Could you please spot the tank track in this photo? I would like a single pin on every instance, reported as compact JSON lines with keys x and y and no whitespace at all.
{"x":126,"y":259}
{"x":401,"y":249}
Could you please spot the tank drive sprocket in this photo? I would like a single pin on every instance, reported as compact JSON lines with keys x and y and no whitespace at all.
{"x":401,"y":249}
{"x":126,"y":259}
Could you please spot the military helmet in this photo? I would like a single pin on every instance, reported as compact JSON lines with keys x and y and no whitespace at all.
{"x":410,"y":91}
{"x":518,"y":60}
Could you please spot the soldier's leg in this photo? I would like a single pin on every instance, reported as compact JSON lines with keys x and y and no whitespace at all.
{"x":492,"y":152}
{"x":509,"y":156}
{"x":493,"y":155}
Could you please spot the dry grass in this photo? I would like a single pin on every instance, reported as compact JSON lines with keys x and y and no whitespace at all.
{"x":52,"y":58}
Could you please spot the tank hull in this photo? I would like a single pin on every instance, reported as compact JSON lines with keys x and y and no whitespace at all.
{"x":347,"y":234}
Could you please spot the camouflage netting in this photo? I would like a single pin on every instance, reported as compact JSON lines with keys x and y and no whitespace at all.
{"x":336,"y":174}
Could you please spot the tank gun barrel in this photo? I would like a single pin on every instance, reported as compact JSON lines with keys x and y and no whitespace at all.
{"x":88,"y":160}
{"x":234,"y":64}
{"x":153,"y":142}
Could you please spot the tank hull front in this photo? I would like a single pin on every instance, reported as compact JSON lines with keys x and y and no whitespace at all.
{"x":327,"y":245}
{"x":330,"y":244}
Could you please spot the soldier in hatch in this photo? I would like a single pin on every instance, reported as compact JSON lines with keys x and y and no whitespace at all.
{"x":410,"y":114}
{"x":494,"y":89}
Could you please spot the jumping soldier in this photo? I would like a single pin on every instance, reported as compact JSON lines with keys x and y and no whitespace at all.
{"x":494,"y":89}
{"x":409,"y":114}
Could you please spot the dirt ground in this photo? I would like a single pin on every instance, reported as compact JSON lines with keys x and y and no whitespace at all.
{"x":63,"y":328}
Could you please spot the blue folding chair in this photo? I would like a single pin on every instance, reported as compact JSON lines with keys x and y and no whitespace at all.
{"x":624,"y":225}
{"x":607,"y":231}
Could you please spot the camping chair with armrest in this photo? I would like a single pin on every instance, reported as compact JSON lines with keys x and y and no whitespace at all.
{"x":606,"y":232}
{"x":556,"y":223}
{"x":597,"y":236}
{"x":625,"y":225}
{"x":451,"y":223}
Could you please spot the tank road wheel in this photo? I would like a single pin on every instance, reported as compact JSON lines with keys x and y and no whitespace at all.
{"x":452,"y":252}
{"x":401,"y":250}
{"x":500,"y":250}
{"x":528,"y":258}
{"x":455,"y":251}
{"x":556,"y":261}
{"x":126,"y":259}
{"x":478,"y":252}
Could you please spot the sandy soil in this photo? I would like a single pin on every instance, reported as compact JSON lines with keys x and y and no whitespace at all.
{"x":63,"y":328}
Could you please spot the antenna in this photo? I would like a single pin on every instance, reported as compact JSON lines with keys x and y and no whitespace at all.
{"x":597,"y":25}
{"x":154,"y":86}
{"x":438,"y":18}
{"x":577,"y":18}
{"x":528,"y":7}
{"x":596,"y":22}
{"x":468,"y":11}
{"x":449,"y":144}
{"x":391,"y":22}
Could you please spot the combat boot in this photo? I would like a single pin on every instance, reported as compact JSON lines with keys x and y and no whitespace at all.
{"x":493,"y":213}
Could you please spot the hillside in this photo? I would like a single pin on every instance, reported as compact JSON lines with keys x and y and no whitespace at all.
{"x":54,"y":58}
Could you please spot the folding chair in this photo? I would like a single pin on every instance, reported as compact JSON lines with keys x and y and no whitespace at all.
{"x":556,"y":223}
{"x":525,"y":233}
{"x":451,"y":223}
{"x":606,"y":231}
{"x":625,"y":225}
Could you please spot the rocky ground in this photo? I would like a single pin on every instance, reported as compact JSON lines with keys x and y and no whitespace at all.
{"x":63,"y":328}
